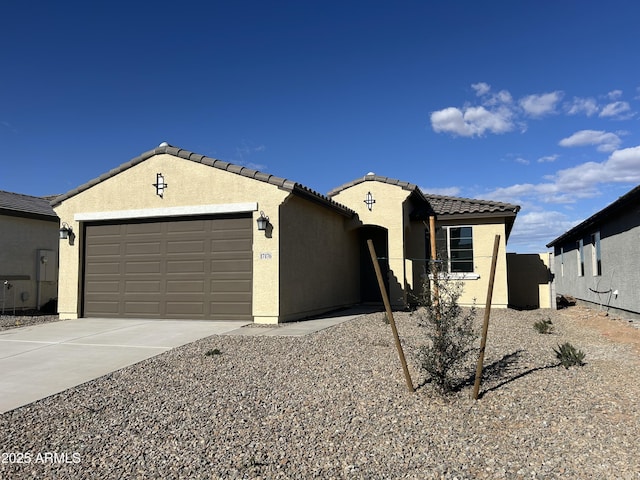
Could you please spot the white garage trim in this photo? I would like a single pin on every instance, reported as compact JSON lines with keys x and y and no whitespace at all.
{"x":167,"y":212}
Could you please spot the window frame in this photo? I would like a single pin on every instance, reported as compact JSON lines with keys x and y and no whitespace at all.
{"x":596,"y":255}
{"x":580,"y":257}
{"x":461,"y":275}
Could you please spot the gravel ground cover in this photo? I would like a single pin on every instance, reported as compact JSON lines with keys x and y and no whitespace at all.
{"x":16,"y":321}
{"x":335,"y":405}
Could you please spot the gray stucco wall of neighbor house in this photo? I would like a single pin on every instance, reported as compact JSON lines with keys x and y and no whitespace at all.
{"x":28,"y":262}
{"x":620,"y":260}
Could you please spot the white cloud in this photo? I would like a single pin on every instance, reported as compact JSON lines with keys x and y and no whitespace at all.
{"x":614,"y":94}
{"x":588,"y":106}
{"x":616,"y":110}
{"x":606,"y":141}
{"x":472,"y":121}
{"x":481,"y":88}
{"x":522,"y":161}
{"x":542,"y":104}
{"x":622,"y":166}
{"x":579,"y":182}
{"x":533,"y":229}
{"x":548,"y":158}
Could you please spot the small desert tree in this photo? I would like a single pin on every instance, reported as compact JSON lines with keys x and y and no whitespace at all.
{"x":449,"y":329}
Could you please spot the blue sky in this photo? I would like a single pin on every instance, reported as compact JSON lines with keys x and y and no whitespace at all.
{"x":533,"y":103}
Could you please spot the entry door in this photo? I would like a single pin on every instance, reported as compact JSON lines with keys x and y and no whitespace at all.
{"x":369,"y":289}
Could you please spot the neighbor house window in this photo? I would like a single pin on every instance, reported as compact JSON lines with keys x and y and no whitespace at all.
{"x":580,"y":258}
{"x":457,"y":244}
{"x":596,"y":261}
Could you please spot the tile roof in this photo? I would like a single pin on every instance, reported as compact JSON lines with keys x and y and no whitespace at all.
{"x":443,"y":205}
{"x":437,"y":204}
{"x":17,"y":204}
{"x":283,"y":183}
{"x":629,"y":199}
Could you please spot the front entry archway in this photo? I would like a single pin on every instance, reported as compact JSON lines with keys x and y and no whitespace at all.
{"x":369,"y":290}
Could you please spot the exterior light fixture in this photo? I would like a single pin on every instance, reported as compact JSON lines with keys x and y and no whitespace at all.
{"x":160,"y":185}
{"x":263,"y":222}
{"x":369,"y":201}
{"x":65,"y":231}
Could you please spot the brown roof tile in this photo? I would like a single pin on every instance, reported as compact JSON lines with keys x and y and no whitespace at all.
{"x":444,"y":205}
{"x":17,"y":204}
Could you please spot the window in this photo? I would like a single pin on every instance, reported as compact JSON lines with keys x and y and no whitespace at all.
{"x":580,"y":252}
{"x":456,"y":243}
{"x":596,"y":261}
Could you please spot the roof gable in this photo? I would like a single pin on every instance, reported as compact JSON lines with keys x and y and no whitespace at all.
{"x":17,"y":204}
{"x":438,"y":205}
{"x":282,"y":183}
{"x":371,"y":177}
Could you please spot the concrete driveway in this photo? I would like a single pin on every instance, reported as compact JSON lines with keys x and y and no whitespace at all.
{"x":40,"y":360}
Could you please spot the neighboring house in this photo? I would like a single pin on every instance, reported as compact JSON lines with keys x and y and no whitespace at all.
{"x":28,"y":252}
{"x":598,"y":261}
{"x":174,"y":234}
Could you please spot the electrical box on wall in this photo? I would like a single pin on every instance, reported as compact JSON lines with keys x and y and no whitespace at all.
{"x":47,"y":266}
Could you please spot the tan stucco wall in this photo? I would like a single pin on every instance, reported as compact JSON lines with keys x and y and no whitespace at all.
{"x":389,"y":212}
{"x":319,"y":260}
{"x":190,"y":185}
{"x":529,"y":280}
{"x":21,"y":240}
{"x":484,"y":232}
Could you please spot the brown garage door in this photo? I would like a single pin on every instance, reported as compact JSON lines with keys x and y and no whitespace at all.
{"x":196,"y":268}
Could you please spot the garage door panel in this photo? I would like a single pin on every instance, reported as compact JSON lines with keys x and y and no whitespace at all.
{"x":178,"y":268}
{"x":231,"y":286}
{"x":143,"y":248}
{"x":192,"y":309}
{"x":104,"y":268}
{"x":105,"y":286}
{"x":137,"y":308}
{"x":137,"y":267}
{"x":186,"y":246}
{"x":230,"y":265}
{"x":230,"y":244}
{"x":103,"y":249}
{"x":142,"y":286}
{"x":185,"y":286}
{"x":185,"y":266}
{"x":187,"y":226}
{"x":106,"y":308}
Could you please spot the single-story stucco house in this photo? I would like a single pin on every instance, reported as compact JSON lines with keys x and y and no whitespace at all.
{"x":28,"y":252}
{"x":598,"y":261}
{"x":174,"y":234}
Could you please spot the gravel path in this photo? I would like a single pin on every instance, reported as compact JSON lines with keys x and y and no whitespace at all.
{"x":334,"y":404}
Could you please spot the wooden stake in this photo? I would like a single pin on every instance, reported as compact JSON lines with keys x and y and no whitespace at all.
{"x":433,"y":269}
{"x":487,"y":312}
{"x":387,"y":306}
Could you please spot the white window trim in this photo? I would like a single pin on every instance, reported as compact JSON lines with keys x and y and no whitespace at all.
{"x":595,"y":246}
{"x":460,"y":275}
{"x":580,"y":255}
{"x":456,"y":276}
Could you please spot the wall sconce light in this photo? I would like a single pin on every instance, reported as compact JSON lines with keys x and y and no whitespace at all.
{"x":369,"y":201}
{"x":160,"y":185}
{"x":65,"y":231}
{"x":263,"y":222}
